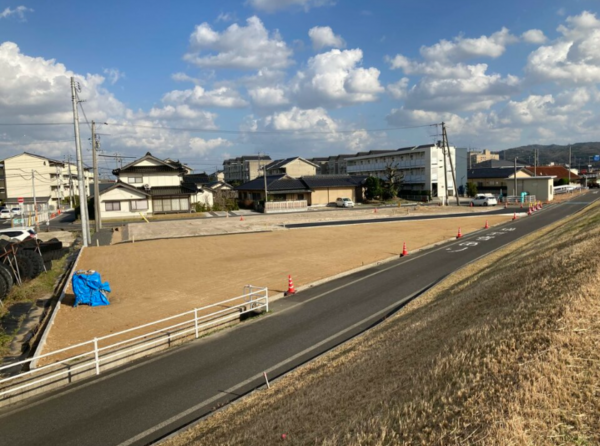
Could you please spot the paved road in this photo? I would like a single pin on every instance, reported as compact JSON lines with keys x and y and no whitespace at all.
{"x":144,"y":401}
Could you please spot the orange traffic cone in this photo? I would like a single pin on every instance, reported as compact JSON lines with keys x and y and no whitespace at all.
{"x":486,"y":225}
{"x":375,"y":210}
{"x":291,"y":289}
{"x":241,"y":218}
{"x":471,"y":205}
{"x":459,"y":235}
{"x":521,"y":205}
{"x":404,"y":250}
{"x":505,"y":204}
{"x":529,"y":211}
{"x":514,"y":216}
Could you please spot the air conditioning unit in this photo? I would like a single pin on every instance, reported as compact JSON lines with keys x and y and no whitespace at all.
{"x":147,"y":186}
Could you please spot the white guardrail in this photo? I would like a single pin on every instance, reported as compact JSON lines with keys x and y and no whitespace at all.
{"x":254,"y":299}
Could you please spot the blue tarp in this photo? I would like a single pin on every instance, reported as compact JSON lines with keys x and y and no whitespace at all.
{"x":89,"y":289}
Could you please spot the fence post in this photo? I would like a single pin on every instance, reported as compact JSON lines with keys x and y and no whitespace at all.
{"x":267,"y":298}
{"x":96,"y":356}
{"x":196,"y":321}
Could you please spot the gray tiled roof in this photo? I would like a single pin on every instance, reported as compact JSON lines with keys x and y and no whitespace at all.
{"x":492,"y":172}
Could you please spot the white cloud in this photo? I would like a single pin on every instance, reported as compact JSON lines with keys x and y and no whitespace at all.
{"x":241,"y":47}
{"x":574,"y":58}
{"x":114,"y":75}
{"x":203,"y":147}
{"x":398,"y":89}
{"x":334,"y":79}
{"x":535,"y":36}
{"x":276,"y":5}
{"x":461,"y":48}
{"x":323,"y":37}
{"x":18,"y":12}
{"x":182,"y":77}
{"x":226,"y":17}
{"x":34,"y":89}
{"x":199,"y":97}
{"x":264,"y":97}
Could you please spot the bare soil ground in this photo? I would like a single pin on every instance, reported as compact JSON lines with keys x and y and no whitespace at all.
{"x":504,"y":352}
{"x":159,"y":278}
{"x":274,"y":222}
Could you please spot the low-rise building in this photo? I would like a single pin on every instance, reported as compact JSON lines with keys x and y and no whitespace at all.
{"x":293,"y":167}
{"x":476,"y":157}
{"x":244,"y":168}
{"x":561,"y":174}
{"x":502,"y":181}
{"x":421,"y":168}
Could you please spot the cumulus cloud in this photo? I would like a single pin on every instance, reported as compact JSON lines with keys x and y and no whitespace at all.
{"x":462,"y":48}
{"x":182,"y":77}
{"x":323,"y":37}
{"x":199,"y":97}
{"x":574,"y":58}
{"x":266,"y":97}
{"x":277,"y":5}
{"x":535,"y":36}
{"x":398,"y":89}
{"x":240,"y":47}
{"x":113,"y":75}
{"x":34,"y":89}
{"x":203,"y":147}
{"x":18,"y":12}
{"x":335,"y":79}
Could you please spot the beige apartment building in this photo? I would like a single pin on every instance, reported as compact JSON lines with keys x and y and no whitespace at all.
{"x":51,"y":180}
{"x":244,"y":168}
{"x":293,"y":167}
{"x":484,"y":155}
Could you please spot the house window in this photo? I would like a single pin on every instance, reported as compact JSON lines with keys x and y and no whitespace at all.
{"x":135,"y":180}
{"x":112,"y":206}
{"x":139,"y":205}
{"x":170,"y":204}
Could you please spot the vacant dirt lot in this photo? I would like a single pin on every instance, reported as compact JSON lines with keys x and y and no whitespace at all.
{"x":274,"y":222}
{"x":155,"y":279}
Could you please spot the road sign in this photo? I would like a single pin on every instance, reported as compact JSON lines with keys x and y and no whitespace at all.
{"x":20,"y":200}
{"x":596,"y":157}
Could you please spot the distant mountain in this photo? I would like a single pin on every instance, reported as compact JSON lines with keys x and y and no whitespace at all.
{"x":580,"y":153}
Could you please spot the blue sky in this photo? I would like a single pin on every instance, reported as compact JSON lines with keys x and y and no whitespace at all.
{"x":315,"y":74}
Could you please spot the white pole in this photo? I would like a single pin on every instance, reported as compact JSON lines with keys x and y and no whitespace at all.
{"x":96,"y":356}
{"x":85,"y":229}
{"x":196,"y":321}
{"x":34,"y":199}
{"x":97,"y":216}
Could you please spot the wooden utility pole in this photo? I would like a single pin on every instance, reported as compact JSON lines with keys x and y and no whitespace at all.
{"x":97,"y":216}
{"x":515,"y":176}
{"x":447,"y":145}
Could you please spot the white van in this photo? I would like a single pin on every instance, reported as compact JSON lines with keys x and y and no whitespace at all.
{"x":484,"y":200}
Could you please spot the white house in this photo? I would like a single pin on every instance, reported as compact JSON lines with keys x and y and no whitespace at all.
{"x":149,"y":186}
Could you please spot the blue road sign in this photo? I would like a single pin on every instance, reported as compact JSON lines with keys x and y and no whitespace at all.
{"x":596,"y":157}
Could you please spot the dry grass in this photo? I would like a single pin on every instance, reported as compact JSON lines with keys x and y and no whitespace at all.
{"x":505,"y":352}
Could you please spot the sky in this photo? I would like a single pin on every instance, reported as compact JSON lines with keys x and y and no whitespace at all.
{"x":202,"y":81}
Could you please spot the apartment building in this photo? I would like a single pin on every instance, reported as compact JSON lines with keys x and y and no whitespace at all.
{"x":51,"y":180}
{"x":244,"y":168}
{"x":422,"y":168}
{"x":293,"y":167}
{"x":476,"y":157}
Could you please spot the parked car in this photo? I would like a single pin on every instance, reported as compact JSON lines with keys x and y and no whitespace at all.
{"x":19,"y":234}
{"x":16,"y":211}
{"x":5,"y":213}
{"x":484,"y":200}
{"x":344,"y":203}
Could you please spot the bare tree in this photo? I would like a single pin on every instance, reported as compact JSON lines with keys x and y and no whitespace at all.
{"x":394,"y":178}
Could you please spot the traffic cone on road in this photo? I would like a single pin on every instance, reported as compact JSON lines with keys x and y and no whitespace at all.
{"x":459,"y":235}
{"x":404,"y":250}
{"x":375,"y":210}
{"x":241,"y":218}
{"x":471,"y":205}
{"x":514,"y":216}
{"x":529,"y":211}
{"x":291,"y":290}
{"x":486,"y":225}
{"x":505,"y":204}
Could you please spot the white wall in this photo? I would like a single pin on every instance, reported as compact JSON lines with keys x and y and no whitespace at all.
{"x":204,"y":197}
{"x":153,"y":179}
{"x":125,"y":197}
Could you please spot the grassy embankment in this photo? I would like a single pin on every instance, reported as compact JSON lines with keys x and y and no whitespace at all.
{"x":30,"y":291}
{"x":504,"y":352}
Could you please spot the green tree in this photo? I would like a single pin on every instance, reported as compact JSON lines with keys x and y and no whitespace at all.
{"x":471,"y":189}
{"x":373,"y":188}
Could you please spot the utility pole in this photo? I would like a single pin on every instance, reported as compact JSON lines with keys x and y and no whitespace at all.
{"x":445,"y":197}
{"x":535,"y":160}
{"x":515,"y":177}
{"x":34,"y":198}
{"x":447,"y":145}
{"x":97,"y":216}
{"x":264,"y":169}
{"x":85,"y":229}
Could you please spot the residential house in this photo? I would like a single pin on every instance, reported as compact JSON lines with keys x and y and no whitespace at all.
{"x":561,"y":174}
{"x":317,"y":190}
{"x":148,"y":186}
{"x":503,"y":181}
{"x":292,"y":167}
{"x":52,"y":181}
{"x":243,"y":168}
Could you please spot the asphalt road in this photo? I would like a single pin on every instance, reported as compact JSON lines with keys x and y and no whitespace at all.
{"x":140,"y":403}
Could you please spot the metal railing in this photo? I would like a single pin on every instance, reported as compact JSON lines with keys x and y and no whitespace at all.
{"x":283,"y":206}
{"x":518,"y":199}
{"x":253,"y":299}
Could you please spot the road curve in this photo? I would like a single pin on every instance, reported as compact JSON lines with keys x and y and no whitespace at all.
{"x":142,"y":402}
